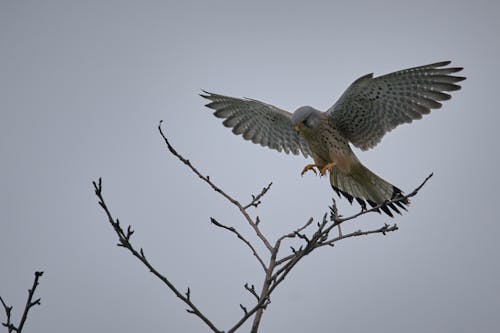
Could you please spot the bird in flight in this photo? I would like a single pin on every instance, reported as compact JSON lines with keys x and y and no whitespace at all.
{"x":366,"y":111}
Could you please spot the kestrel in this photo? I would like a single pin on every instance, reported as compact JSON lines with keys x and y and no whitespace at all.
{"x":366,"y":111}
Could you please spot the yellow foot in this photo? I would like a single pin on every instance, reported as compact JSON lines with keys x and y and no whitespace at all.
{"x":329,"y":166}
{"x":309,"y":167}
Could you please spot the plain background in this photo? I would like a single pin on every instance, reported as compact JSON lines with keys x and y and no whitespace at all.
{"x":83,"y":85}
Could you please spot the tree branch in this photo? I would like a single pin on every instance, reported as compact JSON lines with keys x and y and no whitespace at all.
{"x":8,"y":310}
{"x":321,"y":236}
{"x":256,"y":198}
{"x":217,"y":189}
{"x":124,"y":241}
{"x":243,"y":239}
{"x":29,"y":304}
{"x":276,"y":269}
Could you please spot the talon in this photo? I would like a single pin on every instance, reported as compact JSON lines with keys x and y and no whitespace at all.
{"x":309,"y":167}
{"x":329,"y":167}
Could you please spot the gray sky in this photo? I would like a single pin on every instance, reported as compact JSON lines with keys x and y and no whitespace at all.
{"x":83,"y":86}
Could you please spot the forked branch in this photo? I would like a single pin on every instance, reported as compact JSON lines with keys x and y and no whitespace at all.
{"x":29,"y":304}
{"x":241,"y":208}
{"x":278,"y":265}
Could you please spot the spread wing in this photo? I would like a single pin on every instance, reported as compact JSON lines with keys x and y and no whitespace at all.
{"x":258,"y":122}
{"x":371,"y":107}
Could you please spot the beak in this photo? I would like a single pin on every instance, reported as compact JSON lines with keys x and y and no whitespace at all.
{"x":297,"y":127}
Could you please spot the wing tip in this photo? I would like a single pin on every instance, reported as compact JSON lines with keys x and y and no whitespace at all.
{"x":206,"y":94}
{"x":449,"y":69}
{"x":440,"y":63}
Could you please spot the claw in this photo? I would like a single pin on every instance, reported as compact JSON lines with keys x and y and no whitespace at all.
{"x":329,"y":167}
{"x":309,"y":167}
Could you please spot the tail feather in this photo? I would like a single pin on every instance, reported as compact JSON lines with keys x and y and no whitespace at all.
{"x":366,"y":187}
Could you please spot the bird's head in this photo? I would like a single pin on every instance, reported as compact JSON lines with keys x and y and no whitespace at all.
{"x":306,"y":118}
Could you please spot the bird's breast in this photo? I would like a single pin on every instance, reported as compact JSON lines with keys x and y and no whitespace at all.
{"x":328,"y":145}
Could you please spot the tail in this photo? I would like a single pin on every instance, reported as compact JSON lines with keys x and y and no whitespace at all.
{"x":365,"y":186}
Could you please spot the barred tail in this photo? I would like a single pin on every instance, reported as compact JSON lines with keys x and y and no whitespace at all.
{"x":365,"y":186}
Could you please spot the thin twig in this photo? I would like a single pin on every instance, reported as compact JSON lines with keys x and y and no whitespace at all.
{"x":382,"y":230}
{"x":243,"y":239}
{"x":124,"y":241}
{"x":217,"y":189}
{"x":251,"y":290}
{"x":8,"y":323}
{"x":8,"y":310}
{"x":256,"y":198}
{"x":29,"y":304}
{"x":297,"y":231}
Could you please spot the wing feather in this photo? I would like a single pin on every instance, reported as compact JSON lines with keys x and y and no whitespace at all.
{"x":373,"y":106}
{"x":258,"y":122}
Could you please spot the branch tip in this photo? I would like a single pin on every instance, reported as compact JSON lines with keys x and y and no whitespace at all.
{"x":97,"y":186}
{"x":130,"y":232}
{"x":29,"y":304}
{"x":244,"y":309}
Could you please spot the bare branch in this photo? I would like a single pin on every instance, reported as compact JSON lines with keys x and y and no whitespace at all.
{"x":321,"y":236}
{"x":382,"y":230}
{"x":243,"y":239}
{"x":217,"y":189}
{"x":29,"y":304}
{"x":277,"y":269}
{"x":256,"y":198}
{"x":296,"y":232}
{"x":263,"y":298}
{"x":8,"y":309}
{"x":251,"y":290}
{"x":124,"y":241}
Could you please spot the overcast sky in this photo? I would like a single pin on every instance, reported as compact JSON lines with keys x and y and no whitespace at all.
{"x":83,"y":85}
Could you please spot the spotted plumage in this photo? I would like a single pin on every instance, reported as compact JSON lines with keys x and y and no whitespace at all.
{"x":366,"y":111}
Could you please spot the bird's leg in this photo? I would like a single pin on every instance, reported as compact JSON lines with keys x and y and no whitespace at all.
{"x":329,"y":166}
{"x":309,"y":167}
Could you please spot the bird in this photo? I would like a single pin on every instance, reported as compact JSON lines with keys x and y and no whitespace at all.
{"x":368,"y":109}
